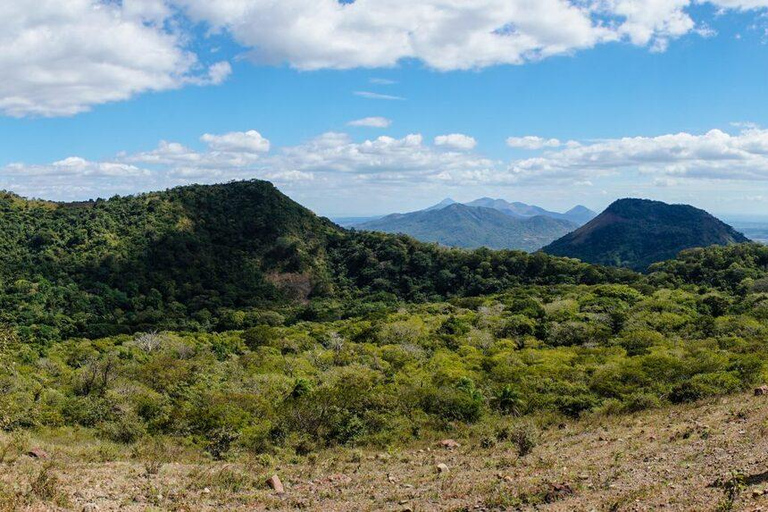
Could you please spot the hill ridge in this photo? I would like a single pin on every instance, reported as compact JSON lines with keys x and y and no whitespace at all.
{"x":636,"y":232}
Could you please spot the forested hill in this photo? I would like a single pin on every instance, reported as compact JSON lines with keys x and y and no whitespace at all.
{"x":208,"y":257}
{"x":635,"y":233}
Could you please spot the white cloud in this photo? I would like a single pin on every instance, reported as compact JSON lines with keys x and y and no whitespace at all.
{"x":445,"y":35}
{"x":532,"y":142}
{"x":712,"y":155}
{"x":382,"y":159}
{"x":63,"y":57}
{"x":245,"y":142}
{"x":456,"y":141}
{"x":75,"y":178}
{"x":335,"y":162}
{"x":78,"y":167}
{"x":376,"y":96}
{"x":372,"y":122}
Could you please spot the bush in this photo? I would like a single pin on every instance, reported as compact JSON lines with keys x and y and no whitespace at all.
{"x":640,"y":401}
{"x":127,"y":428}
{"x":702,"y":386}
{"x":462,"y":402}
{"x":525,"y":437}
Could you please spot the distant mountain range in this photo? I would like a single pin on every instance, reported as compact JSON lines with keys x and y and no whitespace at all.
{"x":637,"y":232}
{"x":484,"y":222}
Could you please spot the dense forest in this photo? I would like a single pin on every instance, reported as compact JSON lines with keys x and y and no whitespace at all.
{"x":201,"y":257}
{"x":398,"y":375}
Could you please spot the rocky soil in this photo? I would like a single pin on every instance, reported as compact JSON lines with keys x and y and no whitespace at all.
{"x":707,"y":456}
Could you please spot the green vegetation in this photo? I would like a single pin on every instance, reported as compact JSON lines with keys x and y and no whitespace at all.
{"x":396,"y":374}
{"x":635,"y":233}
{"x":209,"y":257}
{"x":231,"y":318}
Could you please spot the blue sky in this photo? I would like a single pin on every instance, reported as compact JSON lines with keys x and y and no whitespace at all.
{"x":641,"y":98}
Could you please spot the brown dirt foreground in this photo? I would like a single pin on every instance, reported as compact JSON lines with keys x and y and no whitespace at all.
{"x":707,"y":456}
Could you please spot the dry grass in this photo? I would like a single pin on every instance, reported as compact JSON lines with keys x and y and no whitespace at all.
{"x":707,"y":456}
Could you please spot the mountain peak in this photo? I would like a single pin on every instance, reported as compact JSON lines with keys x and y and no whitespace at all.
{"x":442,"y":204}
{"x":637,"y":232}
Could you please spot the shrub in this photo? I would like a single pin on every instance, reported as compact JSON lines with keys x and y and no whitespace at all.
{"x":127,"y":428}
{"x":525,"y":437}
{"x":640,"y":401}
{"x":462,"y":402}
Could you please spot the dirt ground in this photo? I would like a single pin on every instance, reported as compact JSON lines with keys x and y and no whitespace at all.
{"x":707,"y":456}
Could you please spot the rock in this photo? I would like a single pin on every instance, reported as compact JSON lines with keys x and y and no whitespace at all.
{"x":274,"y":483}
{"x":206,"y":491}
{"x":442,"y":468}
{"x":449,"y":444}
{"x":558,"y":492}
{"x":37,"y":453}
{"x":762,"y":390}
{"x":90,"y":507}
{"x":337,"y":479}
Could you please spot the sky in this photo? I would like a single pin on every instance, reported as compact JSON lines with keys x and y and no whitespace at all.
{"x":368,"y":107}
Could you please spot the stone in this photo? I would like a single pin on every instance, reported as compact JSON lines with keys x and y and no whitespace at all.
{"x":275,"y":484}
{"x":442,"y":468}
{"x":37,"y":453}
{"x":558,"y":492}
{"x":449,"y":444}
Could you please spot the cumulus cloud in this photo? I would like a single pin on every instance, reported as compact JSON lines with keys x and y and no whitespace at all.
{"x":456,"y":141}
{"x":64,"y":57}
{"x":75,"y":178}
{"x":60,"y":58}
{"x":335,"y":161}
{"x":76,"y":166}
{"x":323,"y":34}
{"x":712,"y":155}
{"x":385,"y":158}
{"x":532,"y":142}
{"x":246,"y":142}
{"x":371,"y":122}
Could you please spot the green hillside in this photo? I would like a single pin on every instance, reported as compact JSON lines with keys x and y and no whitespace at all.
{"x":634,"y":233}
{"x":208,"y":257}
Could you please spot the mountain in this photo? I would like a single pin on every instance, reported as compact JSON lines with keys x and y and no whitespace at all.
{"x":211,"y":257}
{"x":442,"y":204}
{"x":514,"y":209}
{"x":578,"y":215}
{"x":637,"y":232}
{"x":467,"y":226}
